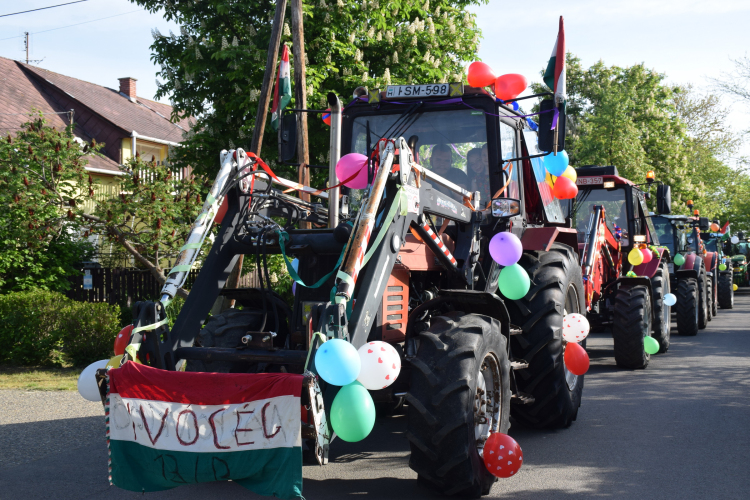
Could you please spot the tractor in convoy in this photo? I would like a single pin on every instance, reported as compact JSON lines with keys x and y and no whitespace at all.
{"x":690,"y":278}
{"x":715,"y":244}
{"x":404,"y":261}
{"x":739,"y":252}
{"x":612,"y":220}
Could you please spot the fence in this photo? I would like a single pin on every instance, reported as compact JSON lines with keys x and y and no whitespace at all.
{"x":128,"y":286}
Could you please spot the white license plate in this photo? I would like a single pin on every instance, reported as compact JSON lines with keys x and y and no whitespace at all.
{"x":412,"y":91}
{"x":585,"y":181}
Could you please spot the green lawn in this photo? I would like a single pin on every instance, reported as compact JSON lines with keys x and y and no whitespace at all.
{"x":39,"y":378}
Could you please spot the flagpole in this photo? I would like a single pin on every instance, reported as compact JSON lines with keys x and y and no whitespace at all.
{"x":233,"y":281}
{"x":300,"y":97}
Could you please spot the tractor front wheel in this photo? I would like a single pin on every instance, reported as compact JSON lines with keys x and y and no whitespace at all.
{"x":687,"y":306}
{"x":632,"y":323}
{"x":726,"y":291}
{"x":459,"y":394}
{"x":704,"y":311}
{"x":662,"y":314}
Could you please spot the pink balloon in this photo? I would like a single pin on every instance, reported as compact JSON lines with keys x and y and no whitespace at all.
{"x":349,"y":165}
{"x":510,"y":85}
{"x":647,"y":255}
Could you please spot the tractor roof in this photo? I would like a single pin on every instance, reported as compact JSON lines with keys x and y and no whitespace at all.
{"x":608,"y":172}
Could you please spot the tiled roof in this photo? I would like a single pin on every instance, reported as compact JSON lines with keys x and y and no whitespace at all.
{"x":100,"y":162}
{"x":146,"y":117}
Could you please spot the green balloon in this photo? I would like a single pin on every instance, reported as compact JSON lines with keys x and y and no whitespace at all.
{"x":722,"y":267}
{"x":353,"y":412}
{"x":679,"y":259}
{"x":514,"y":282}
{"x":650,"y":345}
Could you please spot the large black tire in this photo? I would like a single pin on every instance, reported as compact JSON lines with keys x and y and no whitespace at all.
{"x":225,"y":330}
{"x":726,"y":291}
{"x":446,"y":382}
{"x":703,"y":306}
{"x":715,"y":294}
{"x":632,"y":322}
{"x":662,"y":314}
{"x":556,"y":290}
{"x":687,"y":306}
{"x":710,"y":298}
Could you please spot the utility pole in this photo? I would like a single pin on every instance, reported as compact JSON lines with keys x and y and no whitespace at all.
{"x":300,"y":97}
{"x":260,"y":118}
{"x":27,"y":46}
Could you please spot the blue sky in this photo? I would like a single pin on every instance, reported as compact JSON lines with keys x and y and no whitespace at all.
{"x":685,"y":39}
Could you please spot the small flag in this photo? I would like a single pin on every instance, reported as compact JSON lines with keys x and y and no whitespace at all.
{"x":725,"y":228}
{"x":554,"y":75}
{"x":282,"y":93}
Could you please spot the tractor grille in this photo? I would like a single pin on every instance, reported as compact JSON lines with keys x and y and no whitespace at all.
{"x":395,"y":311}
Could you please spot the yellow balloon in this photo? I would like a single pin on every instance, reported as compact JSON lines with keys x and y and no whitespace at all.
{"x":550,"y":180}
{"x":735,"y":287}
{"x":635,"y":257}
{"x":570,"y":173}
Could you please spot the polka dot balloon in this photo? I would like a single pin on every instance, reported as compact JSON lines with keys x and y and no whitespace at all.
{"x":381,"y":365}
{"x":575,"y":327}
{"x":502,"y":455}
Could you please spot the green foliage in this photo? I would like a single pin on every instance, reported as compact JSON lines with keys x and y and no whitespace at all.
{"x":43,"y":186}
{"x":214,"y":69}
{"x":46,"y":328}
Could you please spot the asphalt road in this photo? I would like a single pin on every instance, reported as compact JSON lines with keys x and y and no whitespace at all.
{"x":679,"y":429}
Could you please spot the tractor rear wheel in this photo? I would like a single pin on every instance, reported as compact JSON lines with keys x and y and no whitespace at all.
{"x":632,"y":323}
{"x":687,"y":306}
{"x":662,"y":314}
{"x":715,"y":294}
{"x":557,"y":290}
{"x":703,"y":307}
{"x":459,"y":393}
{"x":710,"y":297}
{"x":726,"y":291}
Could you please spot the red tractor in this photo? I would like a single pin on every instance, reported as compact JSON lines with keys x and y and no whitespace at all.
{"x":611,"y":217}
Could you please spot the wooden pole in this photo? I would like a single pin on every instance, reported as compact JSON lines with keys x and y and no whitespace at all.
{"x":300,"y":96}
{"x":260,"y":117}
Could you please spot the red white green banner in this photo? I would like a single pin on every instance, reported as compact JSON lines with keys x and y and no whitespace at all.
{"x":554,"y":75}
{"x":282,"y":93}
{"x":166,"y":429}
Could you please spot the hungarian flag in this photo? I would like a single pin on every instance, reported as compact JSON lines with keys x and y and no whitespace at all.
{"x":554,"y":75}
{"x":725,"y":228}
{"x":282,"y":93}
{"x":166,"y":429}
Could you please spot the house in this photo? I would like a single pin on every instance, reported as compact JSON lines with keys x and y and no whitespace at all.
{"x":118,"y":118}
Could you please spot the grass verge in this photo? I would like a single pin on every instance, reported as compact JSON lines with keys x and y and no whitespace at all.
{"x":37,"y":378}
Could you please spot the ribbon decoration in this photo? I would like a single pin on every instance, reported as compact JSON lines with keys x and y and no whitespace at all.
{"x":555,"y":116}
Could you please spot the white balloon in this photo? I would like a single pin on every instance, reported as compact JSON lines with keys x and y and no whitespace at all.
{"x":735,"y":240}
{"x":575,"y":327}
{"x":670,"y":299}
{"x":381,"y":365}
{"x":87,"y":387}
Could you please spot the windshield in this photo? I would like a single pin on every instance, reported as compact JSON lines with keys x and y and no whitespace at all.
{"x":452,"y":143}
{"x":710,"y":244}
{"x":665,"y":231}
{"x":615,"y":209}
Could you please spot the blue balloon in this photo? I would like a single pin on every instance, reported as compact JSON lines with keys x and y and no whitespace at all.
{"x":337,"y":362}
{"x":556,"y":165}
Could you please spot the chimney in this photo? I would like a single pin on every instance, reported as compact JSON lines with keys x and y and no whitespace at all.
{"x":127,"y":87}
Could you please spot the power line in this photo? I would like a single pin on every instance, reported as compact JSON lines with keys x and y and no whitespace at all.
{"x":71,"y":25}
{"x":43,"y":8}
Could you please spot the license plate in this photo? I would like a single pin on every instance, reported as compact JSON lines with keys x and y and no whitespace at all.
{"x":412,"y":91}
{"x":585,"y":181}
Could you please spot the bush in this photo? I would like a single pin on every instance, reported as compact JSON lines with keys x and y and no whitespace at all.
{"x":46,"y":328}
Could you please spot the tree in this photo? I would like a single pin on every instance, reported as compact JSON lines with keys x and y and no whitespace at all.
{"x":736,"y":83}
{"x":213,"y":70}
{"x":43,"y":187}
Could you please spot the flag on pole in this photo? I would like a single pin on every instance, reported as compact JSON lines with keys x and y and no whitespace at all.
{"x":166,"y":429}
{"x":554,"y":75}
{"x":282,"y":93}
{"x":725,"y":228}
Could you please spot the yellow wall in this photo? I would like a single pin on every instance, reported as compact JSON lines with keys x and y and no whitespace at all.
{"x":105,"y":186}
{"x":145,"y":148}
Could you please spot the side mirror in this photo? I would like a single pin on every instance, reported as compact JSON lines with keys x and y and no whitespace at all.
{"x":505,"y":207}
{"x":663,"y":199}
{"x":547,"y":136}
{"x":704,"y":224}
{"x":288,"y":138}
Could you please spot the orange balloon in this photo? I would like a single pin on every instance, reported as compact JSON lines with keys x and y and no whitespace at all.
{"x":510,"y":85}
{"x":564,"y":189}
{"x":122,"y":340}
{"x":480,"y":75}
{"x":576,"y":359}
{"x":715,"y":227}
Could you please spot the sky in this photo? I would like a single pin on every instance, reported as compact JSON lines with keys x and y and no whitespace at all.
{"x":688,"y":40}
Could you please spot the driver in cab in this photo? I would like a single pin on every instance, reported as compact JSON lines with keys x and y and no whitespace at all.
{"x":441,"y":162}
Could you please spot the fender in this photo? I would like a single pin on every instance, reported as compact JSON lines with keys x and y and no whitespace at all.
{"x":709,"y":260}
{"x":541,"y":238}
{"x":480,"y":302}
{"x":686,"y":273}
{"x":690,"y":261}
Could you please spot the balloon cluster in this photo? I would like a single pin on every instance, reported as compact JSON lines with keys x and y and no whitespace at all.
{"x":506,"y":249}
{"x":562,"y":176}
{"x":502,"y":455}
{"x":507,"y":87}
{"x":575,"y":329}
{"x":374,"y":366}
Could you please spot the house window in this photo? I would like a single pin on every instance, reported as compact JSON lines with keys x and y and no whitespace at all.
{"x":148,"y":151}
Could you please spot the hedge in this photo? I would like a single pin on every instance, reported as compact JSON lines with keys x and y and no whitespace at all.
{"x":46,"y":328}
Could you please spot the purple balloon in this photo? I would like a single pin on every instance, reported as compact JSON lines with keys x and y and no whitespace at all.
{"x":506,"y":248}
{"x":294,"y":288}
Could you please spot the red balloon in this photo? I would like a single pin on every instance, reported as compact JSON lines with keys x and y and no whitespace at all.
{"x":576,"y":358}
{"x":502,"y":455}
{"x":327,"y":117}
{"x":222,"y":210}
{"x":647,"y":255}
{"x":564,"y":189}
{"x":480,"y":75}
{"x":510,"y":85}
{"x":122,"y":340}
